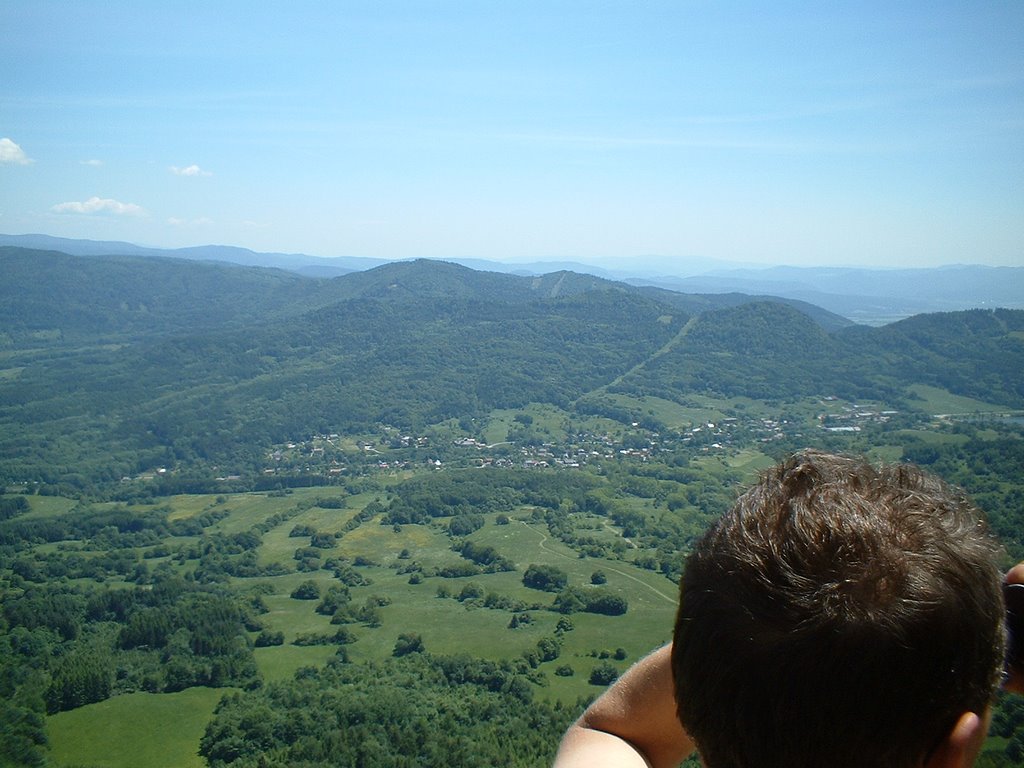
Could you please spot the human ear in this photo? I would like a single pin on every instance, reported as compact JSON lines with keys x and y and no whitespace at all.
{"x":961,"y":745}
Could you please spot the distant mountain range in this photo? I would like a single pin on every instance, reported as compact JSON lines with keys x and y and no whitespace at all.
{"x":867,"y":296}
{"x":312,"y":266}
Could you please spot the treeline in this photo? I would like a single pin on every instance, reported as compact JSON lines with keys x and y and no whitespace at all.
{"x":105,"y":539}
{"x":96,"y":642}
{"x":465,"y":713}
{"x":461,"y":494}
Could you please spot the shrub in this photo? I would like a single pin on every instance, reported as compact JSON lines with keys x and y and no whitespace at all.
{"x":603,"y":674}
{"x":307,"y":590}
{"x":267,"y":638}
{"x":545,"y":577}
{"x":408,"y":643}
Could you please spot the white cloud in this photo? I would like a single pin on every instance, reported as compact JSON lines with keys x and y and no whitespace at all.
{"x":100,"y":205}
{"x":12,"y":154}
{"x":93,"y":163}
{"x":190,"y":170}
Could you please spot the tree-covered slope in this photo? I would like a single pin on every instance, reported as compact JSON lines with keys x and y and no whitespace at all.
{"x":760,"y":350}
{"x":424,"y":278}
{"x":165,"y":363}
{"x":771,"y":351}
{"x":228,"y":395}
{"x":979,"y":353}
{"x":697,"y":303}
{"x":50,"y":298}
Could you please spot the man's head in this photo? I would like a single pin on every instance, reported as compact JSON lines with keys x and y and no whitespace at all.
{"x":838,"y":615}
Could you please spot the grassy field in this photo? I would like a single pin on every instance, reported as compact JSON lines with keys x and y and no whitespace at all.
{"x":281,"y":663}
{"x":48,"y":506}
{"x":138,"y":729}
{"x":447,"y":625}
{"x":938,"y":401}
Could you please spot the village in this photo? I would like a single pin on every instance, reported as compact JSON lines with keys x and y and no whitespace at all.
{"x":391,"y":450}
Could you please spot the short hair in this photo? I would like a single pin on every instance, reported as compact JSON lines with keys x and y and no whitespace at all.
{"x":838,"y":615}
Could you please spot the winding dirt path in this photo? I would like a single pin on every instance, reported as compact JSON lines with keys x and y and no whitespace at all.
{"x":544,"y":537}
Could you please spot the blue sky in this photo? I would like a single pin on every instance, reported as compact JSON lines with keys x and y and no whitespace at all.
{"x":879,"y":134}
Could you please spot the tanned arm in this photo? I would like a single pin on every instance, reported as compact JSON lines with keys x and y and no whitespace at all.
{"x":632,"y":725}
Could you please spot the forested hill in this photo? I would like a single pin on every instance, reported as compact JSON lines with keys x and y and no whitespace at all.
{"x":48,"y":297}
{"x":770,"y":351}
{"x":114,"y":366}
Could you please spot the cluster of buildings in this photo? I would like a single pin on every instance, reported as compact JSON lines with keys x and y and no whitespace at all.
{"x":392,"y":450}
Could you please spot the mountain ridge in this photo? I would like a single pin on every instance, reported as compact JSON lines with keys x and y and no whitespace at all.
{"x":139,"y":293}
{"x":863,"y":295}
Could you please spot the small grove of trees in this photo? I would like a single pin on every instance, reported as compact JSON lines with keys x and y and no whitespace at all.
{"x":408,"y":642}
{"x":604,"y":673}
{"x":574,"y":599}
{"x":13,"y":506}
{"x":465,"y":524}
{"x":485,"y":556}
{"x":307,"y":590}
{"x":545,"y":577}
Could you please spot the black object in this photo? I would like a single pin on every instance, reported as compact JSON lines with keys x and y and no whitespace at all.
{"x":1014,"y":594}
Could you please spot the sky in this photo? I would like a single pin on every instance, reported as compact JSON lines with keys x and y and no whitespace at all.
{"x":821,"y":133}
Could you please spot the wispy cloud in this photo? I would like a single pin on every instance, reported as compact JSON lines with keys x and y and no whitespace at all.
{"x":12,"y":154}
{"x":189,"y":170}
{"x":100,"y":205}
{"x":93,"y":163}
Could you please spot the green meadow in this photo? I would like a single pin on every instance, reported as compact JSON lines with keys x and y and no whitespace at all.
{"x":940,"y":401}
{"x":137,"y":729}
{"x":450,"y":626}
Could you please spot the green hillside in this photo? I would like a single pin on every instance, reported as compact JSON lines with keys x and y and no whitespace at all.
{"x":418,"y":514}
{"x":214,"y":365}
{"x":50,"y":299}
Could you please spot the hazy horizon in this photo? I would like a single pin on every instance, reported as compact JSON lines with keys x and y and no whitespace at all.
{"x":874,"y":135}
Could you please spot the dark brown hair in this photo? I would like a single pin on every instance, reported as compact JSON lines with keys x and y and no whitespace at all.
{"x":838,"y":615}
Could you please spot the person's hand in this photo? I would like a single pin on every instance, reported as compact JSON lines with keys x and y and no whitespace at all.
{"x":1015,"y":676}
